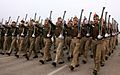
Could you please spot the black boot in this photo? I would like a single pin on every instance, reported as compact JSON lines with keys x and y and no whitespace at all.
{"x":26,"y":57}
{"x":41,"y":61}
{"x":2,"y":53}
{"x":41,"y":53}
{"x":54,"y":64}
{"x":102,"y":64}
{"x":35,"y":56}
{"x":61,"y":62}
{"x":95,"y":72}
{"x":17,"y":56}
{"x":71,"y":67}
{"x":84,"y":62}
{"x":77,"y":65}
{"x":8,"y":54}
{"x":91,"y":56}
{"x":106,"y":58}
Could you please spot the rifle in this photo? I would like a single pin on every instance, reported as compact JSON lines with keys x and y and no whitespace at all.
{"x":113,"y":29}
{"x":9,"y":19}
{"x":88,"y":27}
{"x":109,"y":25}
{"x":16,"y":25}
{"x":41,"y":22}
{"x":48,"y":35}
{"x":26,"y":17}
{"x":106,"y":31}
{"x":17,"y":19}
{"x":33,"y":35}
{"x":117,"y":29}
{"x":79,"y":23}
{"x":7,"y":28}
{"x":2,"y":21}
{"x":22,"y":34}
{"x":39,"y":19}
{"x":61,"y":34}
{"x":100,"y":25}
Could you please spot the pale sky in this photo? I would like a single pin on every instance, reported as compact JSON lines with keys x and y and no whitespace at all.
{"x":16,"y":8}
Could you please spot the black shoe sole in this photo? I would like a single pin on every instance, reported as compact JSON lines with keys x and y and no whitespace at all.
{"x":27,"y":57}
{"x":106,"y":58}
{"x":17,"y":56}
{"x":61,"y":62}
{"x":94,"y":72}
{"x":91,"y":56}
{"x":35,"y":57}
{"x":8,"y":54}
{"x":84,"y":62}
{"x":77,"y":65}
{"x":54,"y":64}
{"x":41,"y":61}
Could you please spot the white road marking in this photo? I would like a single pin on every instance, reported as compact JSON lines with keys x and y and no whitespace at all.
{"x":57,"y":70}
{"x":6,"y":57}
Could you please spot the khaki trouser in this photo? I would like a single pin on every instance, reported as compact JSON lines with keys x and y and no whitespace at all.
{"x":83,"y":48}
{"x":67,"y":43}
{"x":32,"y":47}
{"x":21,"y":45}
{"x":37,"y":43}
{"x":75,"y":50}
{"x":97,"y":53}
{"x":27,"y":44}
{"x":107,"y":46}
{"x":103,"y":50}
{"x":59,"y":50}
{"x":46,"y":50}
{"x":7,"y":43}
{"x":114,"y":42}
{"x":13,"y":45}
{"x":116,"y":39}
{"x":111,"y":44}
{"x":72,"y":46}
{"x":87,"y":47}
{"x":1,"y":42}
{"x":42,"y":42}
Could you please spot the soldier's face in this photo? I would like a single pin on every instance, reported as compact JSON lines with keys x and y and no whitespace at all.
{"x":46,"y":22}
{"x":13,"y":24}
{"x":75,"y":22}
{"x":96,"y":19}
{"x":69,"y":24}
{"x":59,"y":22}
{"x":31,"y":23}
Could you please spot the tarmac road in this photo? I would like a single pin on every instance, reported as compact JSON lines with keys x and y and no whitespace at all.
{"x":10,"y":65}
